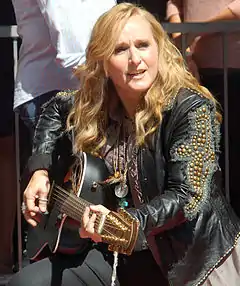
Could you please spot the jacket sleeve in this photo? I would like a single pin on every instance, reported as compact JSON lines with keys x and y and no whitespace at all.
{"x":51,"y":126}
{"x":191,"y":164}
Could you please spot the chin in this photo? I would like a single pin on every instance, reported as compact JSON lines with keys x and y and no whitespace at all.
{"x":140,"y":88}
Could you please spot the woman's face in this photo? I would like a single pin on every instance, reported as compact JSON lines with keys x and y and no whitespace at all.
{"x":134,"y":63}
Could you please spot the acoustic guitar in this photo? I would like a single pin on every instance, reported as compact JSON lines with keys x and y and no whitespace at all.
{"x":118,"y":229}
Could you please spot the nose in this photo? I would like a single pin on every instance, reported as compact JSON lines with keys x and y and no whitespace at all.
{"x":134,"y":56}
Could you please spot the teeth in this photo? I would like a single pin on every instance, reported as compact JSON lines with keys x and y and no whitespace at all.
{"x":139,"y":72}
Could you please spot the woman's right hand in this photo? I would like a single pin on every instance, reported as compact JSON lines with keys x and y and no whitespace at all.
{"x":36,"y":191}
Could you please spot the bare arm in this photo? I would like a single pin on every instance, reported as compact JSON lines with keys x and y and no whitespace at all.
{"x":173,"y":14}
{"x":175,"y":19}
{"x":224,"y":15}
{"x":230,"y":13}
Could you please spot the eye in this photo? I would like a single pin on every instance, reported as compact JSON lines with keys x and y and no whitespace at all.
{"x":120,"y":49}
{"x":142,"y":45}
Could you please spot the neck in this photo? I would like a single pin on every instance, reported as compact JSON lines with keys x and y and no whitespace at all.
{"x":130,"y":104}
{"x":130,"y":110}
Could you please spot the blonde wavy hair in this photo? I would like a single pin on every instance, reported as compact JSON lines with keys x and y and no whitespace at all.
{"x":89,"y":115}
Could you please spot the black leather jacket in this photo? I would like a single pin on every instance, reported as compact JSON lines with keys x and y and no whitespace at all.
{"x":188,"y":224}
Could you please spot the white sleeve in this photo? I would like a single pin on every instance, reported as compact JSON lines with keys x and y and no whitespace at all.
{"x":70,"y":24}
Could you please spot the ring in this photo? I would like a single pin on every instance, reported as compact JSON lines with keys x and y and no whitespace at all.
{"x":23,"y":208}
{"x":43,"y":199}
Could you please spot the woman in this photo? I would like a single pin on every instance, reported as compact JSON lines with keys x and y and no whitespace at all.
{"x":157,"y":130}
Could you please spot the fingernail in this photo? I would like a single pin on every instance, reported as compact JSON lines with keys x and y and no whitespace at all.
{"x":43,"y":210}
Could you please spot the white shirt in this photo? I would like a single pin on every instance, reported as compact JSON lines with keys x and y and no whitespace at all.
{"x":54,"y":34}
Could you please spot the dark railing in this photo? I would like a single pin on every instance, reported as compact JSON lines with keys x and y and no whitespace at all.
{"x":185,"y":28}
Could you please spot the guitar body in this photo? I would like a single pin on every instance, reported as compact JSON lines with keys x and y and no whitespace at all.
{"x":56,"y":230}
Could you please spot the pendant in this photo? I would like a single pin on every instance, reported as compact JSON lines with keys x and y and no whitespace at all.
{"x":117,"y":175}
{"x":121,"y":190}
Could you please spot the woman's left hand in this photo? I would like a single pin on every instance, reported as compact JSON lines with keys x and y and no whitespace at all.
{"x":87,"y":229}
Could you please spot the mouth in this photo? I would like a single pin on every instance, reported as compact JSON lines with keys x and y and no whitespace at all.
{"x":136,"y":73}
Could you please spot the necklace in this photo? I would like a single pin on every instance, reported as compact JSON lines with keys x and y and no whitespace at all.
{"x":120,"y":170}
{"x":121,"y":166}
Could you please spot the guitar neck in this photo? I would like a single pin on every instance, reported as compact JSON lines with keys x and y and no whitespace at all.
{"x":74,"y":207}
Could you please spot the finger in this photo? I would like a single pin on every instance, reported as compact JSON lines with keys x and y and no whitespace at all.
{"x":42,"y":203}
{"x":32,"y":222}
{"x":92,"y":219}
{"x":33,"y":214}
{"x":85,"y":217}
{"x":29,"y":219}
{"x":83,"y":233}
{"x":95,"y":208}
{"x":43,"y":197}
{"x":30,"y":203}
{"x":90,"y":226}
{"x":37,"y":218}
{"x":100,"y":208}
{"x":96,"y":238}
{"x":91,"y":223}
{"x":24,"y":209}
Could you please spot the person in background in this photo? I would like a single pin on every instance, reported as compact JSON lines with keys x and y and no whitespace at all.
{"x":54,"y":37}
{"x":157,"y":130}
{"x":206,"y":62}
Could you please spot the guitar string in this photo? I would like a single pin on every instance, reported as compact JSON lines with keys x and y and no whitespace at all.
{"x":64,"y":194}
{"x":73,"y":209}
{"x":76,"y":202}
{"x":105,"y":230}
